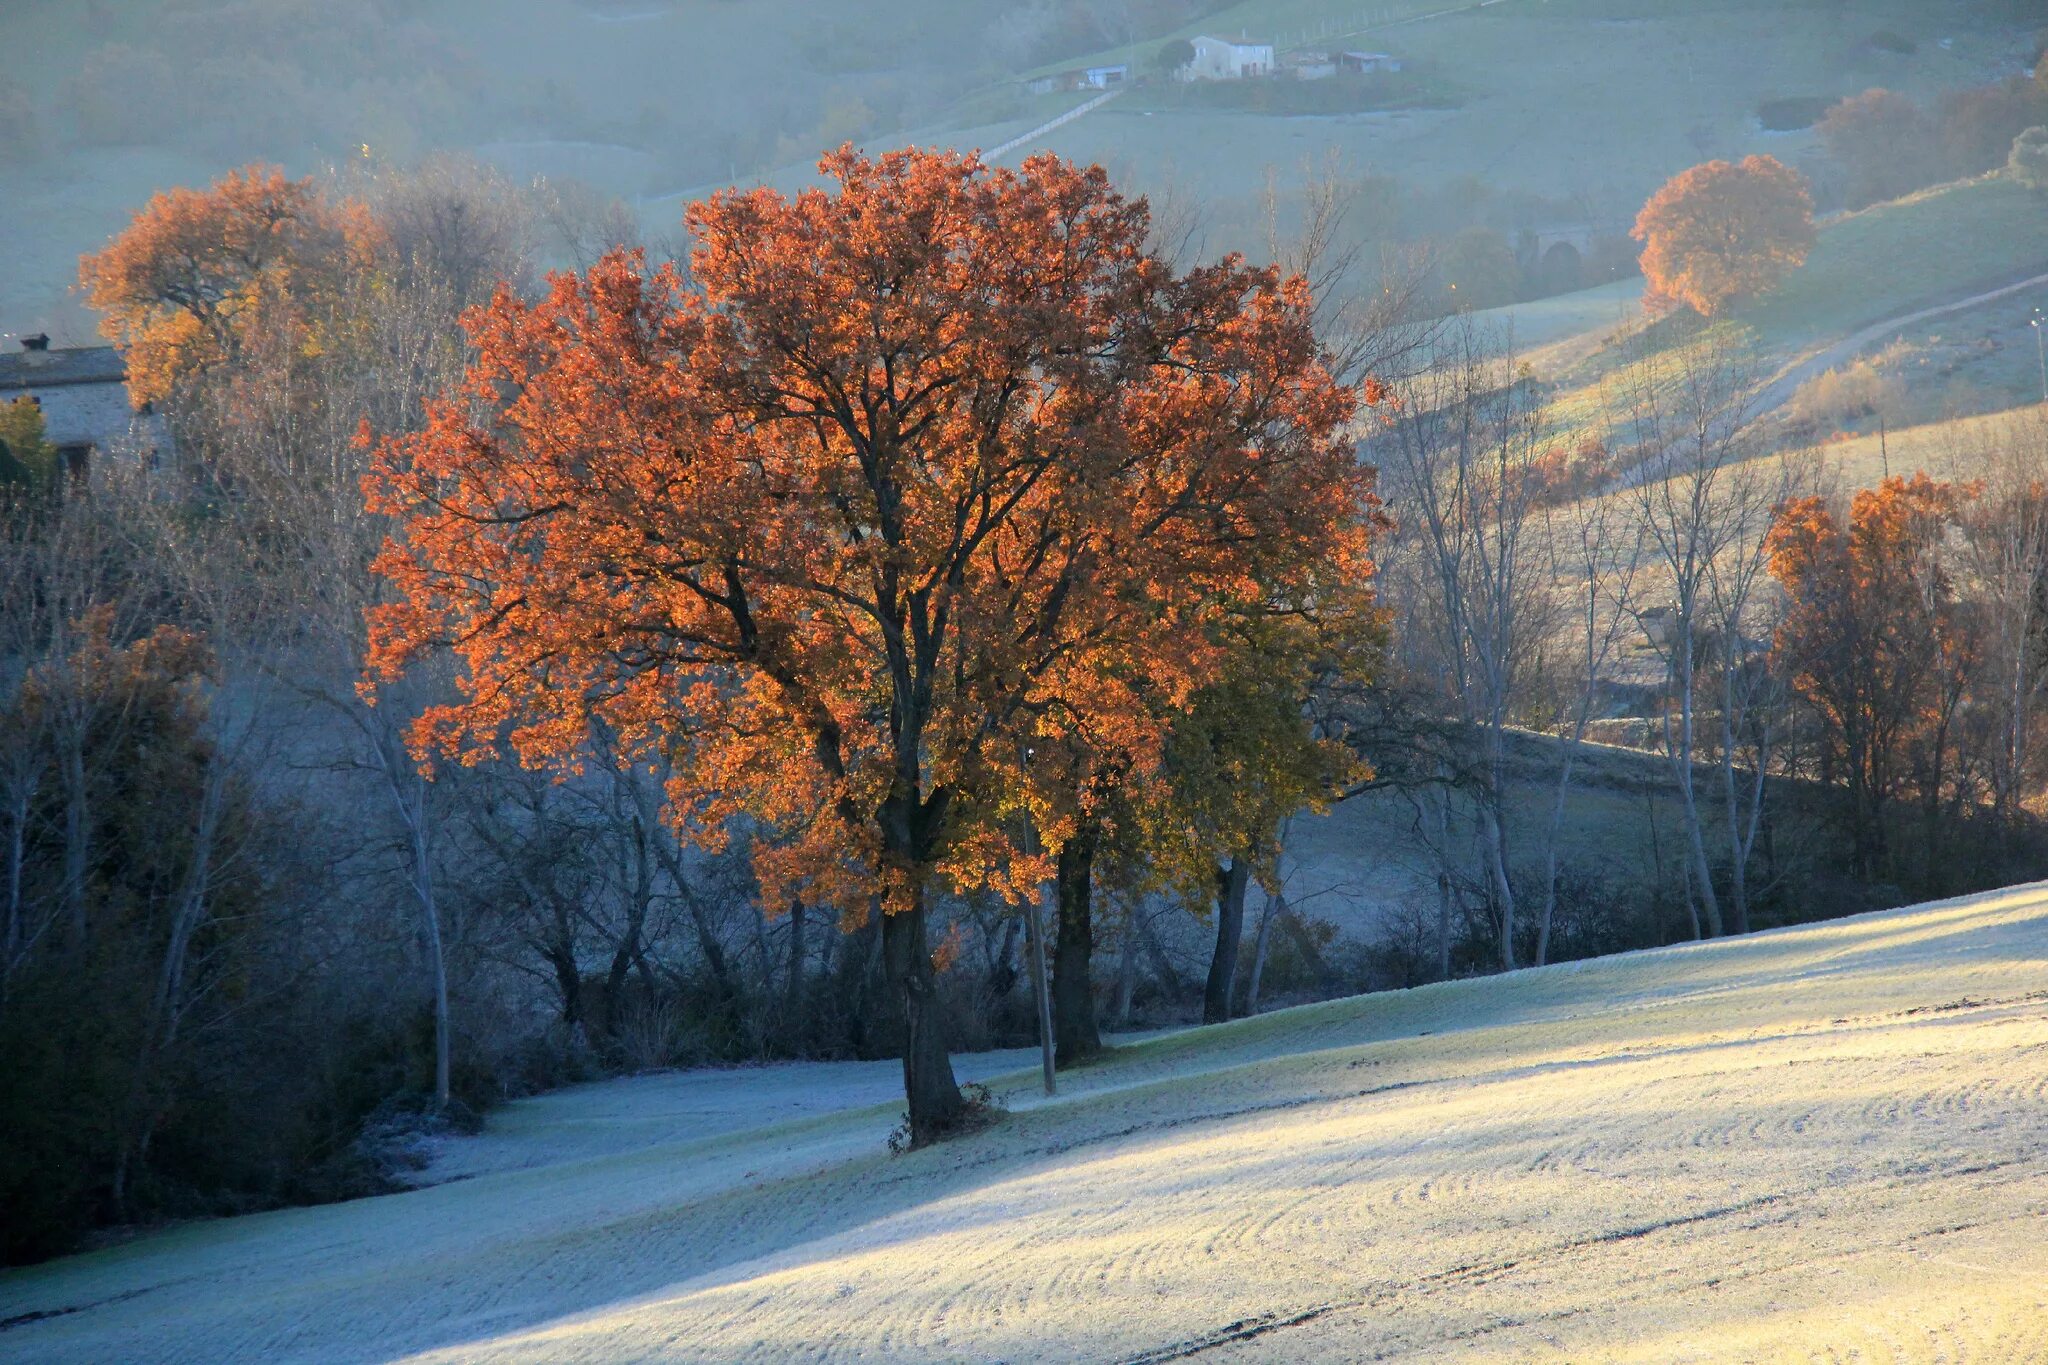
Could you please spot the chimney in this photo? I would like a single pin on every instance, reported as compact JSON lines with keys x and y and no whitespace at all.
{"x":39,"y":342}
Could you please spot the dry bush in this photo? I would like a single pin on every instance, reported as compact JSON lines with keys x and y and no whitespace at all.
{"x":1840,"y":397}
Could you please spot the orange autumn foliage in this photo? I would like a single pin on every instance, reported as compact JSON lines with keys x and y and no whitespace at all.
{"x":198,"y":272}
{"x":900,"y":484}
{"x":1873,"y":638}
{"x":1723,"y":232}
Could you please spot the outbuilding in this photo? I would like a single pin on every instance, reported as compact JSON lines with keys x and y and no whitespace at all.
{"x":1367,"y":63}
{"x":83,"y":394}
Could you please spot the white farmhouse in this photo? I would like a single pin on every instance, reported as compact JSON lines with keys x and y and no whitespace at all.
{"x":83,"y":394}
{"x":1227,"y":59}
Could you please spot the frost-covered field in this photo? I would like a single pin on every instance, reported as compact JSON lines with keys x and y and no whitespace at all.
{"x":1828,"y":1143}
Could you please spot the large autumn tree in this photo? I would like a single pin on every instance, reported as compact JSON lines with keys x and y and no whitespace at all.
{"x":1723,"y":232}
{"x":901,"y":482}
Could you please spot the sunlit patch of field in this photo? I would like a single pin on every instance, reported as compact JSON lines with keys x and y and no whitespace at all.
{"x":1961,"y":450}
{"x":1826,"y":1143}
{"x":1892,"y":258}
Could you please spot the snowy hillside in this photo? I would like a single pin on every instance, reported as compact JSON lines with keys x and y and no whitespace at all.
{"x":1832,"y":1138}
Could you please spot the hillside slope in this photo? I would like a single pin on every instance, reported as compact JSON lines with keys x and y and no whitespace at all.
{"x":1833,"y":1136}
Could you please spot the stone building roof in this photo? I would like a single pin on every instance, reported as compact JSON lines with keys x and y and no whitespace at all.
{"x":27,"y":369}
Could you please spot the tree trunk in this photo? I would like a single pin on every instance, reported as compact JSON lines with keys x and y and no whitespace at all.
{"x":1231,"y":880}
{"x":17,"y":862}
{"x":796,"y":1028}
{"x":1074,"y":1031}
{"x":1443,"y":926}
{"x":1695,"y":837}
{"x":1443,"y":883}
{"x":1169,"y":979}
{"x":1503,"y":889}
{"x":1260,"y":944}
{"x":931,"y":1093}
{"x":569,"y":982}
{"x":77,"y":840}
{"x":439,"y":961}
{"x":1127,"y":968}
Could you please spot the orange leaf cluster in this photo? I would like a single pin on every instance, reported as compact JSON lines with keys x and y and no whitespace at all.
{"x":1874,"y":638}
{"x":902,"y":484}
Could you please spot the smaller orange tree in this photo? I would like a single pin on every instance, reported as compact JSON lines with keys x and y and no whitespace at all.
{"x":1723,"y":232}
{"x":200,"y":272}
{"x":1874,"y":638}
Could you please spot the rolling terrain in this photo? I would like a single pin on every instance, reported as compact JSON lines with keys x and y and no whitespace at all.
{"x":1829,"y":1141}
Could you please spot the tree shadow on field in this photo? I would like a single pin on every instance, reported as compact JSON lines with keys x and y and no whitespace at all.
{"x":463,"y":1267}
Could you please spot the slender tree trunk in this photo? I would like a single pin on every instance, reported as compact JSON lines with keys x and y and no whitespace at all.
{"x":1552,"y":834}
{"x":1127,"y":968}
{"x":11,"y":939}
{"x":1231,"y":881}
{"x":1443,"y":926}
{"x":1075,"y":1035}
{"x":1162,"y":968}
{"x":932,"y":1094}
{"x":1443,"y":884}
{"x":1741,"y":827}
{"x":77,"y":839}
{"x":1503,"y":889}
{"x":1041,"y":987}
{"x":1738,"y":852}
{"x":1695,"y":838}
{"x":1271,"y":911}
{"x":795,"y":1026}
{"x":568,"y":983}
{"x":431,"y":913}
{"x":414,"y":813}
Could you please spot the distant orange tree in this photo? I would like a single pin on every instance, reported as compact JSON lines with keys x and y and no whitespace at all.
{"x":1723,"y":232}
{"x":904,"y":490}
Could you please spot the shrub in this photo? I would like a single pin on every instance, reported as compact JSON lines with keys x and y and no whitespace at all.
{"x":1839,"y":397}
{"x":2028,"y":163}
{"x":1791,"y":114}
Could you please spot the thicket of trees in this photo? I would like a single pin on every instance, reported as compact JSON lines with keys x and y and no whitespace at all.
{"x":1882,"y":144}
{"x":1069,"y":482}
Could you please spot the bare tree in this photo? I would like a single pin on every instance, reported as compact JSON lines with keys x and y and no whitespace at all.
{"x":1459,"y":456}
{"x":2006,"y":549}
{"x":1589,"y":548}
{"x":1701,"y":495}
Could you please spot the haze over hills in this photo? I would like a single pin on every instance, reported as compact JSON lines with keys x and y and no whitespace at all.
{"x":648,"y":102}
{"x":1387,"y":677}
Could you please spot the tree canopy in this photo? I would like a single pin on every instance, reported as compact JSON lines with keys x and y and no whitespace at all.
{"x":903,"y":482}
{"x":198,"y":271}
{"x":1722,"y":232}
